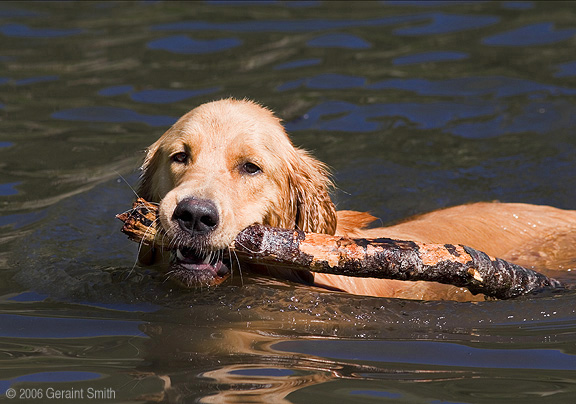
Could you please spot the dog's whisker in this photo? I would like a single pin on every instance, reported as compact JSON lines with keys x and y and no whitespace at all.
{"x":167,"y":276}
{"x":248,"y":249}
{"x":233,"y":253}
{"x":127,"y":183}
{"x":150,"y":228}
{"x":128,"y":211}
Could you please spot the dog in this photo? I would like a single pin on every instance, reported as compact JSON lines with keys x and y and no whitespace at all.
{"x":229,"y":164}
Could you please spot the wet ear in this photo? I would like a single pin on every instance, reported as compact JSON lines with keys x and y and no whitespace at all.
{"x":147,"y":255}
{"x":309,"y":199}
{"x":148,"y":187}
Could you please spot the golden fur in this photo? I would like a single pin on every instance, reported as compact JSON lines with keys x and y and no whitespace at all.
{"x":291,"y":190}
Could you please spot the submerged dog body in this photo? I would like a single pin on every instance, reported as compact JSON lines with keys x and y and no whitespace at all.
{"x":228,"y":164}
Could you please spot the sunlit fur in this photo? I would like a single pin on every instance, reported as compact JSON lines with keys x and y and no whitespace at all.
{"x":292,"y":191}
{"x":292,"y":188}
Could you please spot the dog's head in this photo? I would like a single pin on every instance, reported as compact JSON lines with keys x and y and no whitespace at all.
{"x":222,"y":167}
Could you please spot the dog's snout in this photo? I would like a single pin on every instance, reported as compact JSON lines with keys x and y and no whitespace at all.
{"x":196,"y":216}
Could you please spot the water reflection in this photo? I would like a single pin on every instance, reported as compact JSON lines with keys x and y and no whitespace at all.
{"x":271,"y":360}
{"x":536,"y":34}
{"x":189,"y":46}
{"x":345,"y":116}
{"x":496,"y":86}
{"x":499,"y":87}
{"x":24,"y":31}
{"x":567,"y":69}
{"x":9,"y":188}
{"x":427,"y":57}
{"x":440,"y":23}
{"x":112,"y":114}
{"x":291,"y":25}
{"x":34,"y":80}
{"x":339,"y":41}
{"x":298,"y":63}
{"x":165,"y":96}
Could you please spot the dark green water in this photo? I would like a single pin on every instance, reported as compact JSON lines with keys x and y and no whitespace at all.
{"x":415,"y":106}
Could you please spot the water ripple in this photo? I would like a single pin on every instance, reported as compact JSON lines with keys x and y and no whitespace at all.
{"x":430,"y":352}
{"x":34,"y":80}
{"x":566,"y":69}
{"x":449,"y":23}
{"x":542,"y":33}
{"x":327,"y":81}
{"x":17,"y":12}
{"x":165,"y":96}
{"x":339,"y":40}
{"x":112,"y":114}
{"x":345,"y":116}
{"x":518,"y":5}
{"x":190,"y":46}
{"x":497,"y":86}
{"x":298,"y":63}
{"x":158,"y":95}
{"x":24,"y":31}
{"x":116,"y":90}
{"x":310,"y":25}
{"x":9,"y":188}
{"x":432,"y":56}
{"x":24,"y":326}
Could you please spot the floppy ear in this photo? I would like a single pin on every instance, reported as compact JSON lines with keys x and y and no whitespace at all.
{"x":308,"y":200}
{"x":150,"y":171}
{"x":148,"y":255}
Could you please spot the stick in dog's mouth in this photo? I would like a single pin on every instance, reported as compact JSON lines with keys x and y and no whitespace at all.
{"x":189,"y":266}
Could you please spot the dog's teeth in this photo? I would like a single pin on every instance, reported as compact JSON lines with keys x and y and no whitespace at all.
{"x":207,"y":259}
{"x":179,"y":255}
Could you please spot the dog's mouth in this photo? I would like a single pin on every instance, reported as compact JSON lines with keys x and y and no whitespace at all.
{"x":194,"y":268}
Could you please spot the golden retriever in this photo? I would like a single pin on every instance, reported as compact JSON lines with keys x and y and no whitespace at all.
{"x":228,"y":164}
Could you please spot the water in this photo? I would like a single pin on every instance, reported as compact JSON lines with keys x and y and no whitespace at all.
{"x":415,"y":106}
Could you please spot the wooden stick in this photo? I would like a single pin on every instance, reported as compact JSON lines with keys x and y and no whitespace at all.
{"x":141,"y":224}
{"x":391,"y":259}
{"x":374,"y":258}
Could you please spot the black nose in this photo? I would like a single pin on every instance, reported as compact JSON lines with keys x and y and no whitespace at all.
{"x":196,"y":216}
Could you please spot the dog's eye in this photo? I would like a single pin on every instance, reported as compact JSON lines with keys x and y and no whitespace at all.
{"x":181,"y":157}
{"x":250,"y":168}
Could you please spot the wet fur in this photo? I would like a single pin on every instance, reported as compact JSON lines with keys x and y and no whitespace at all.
{"x":292,"y":191}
